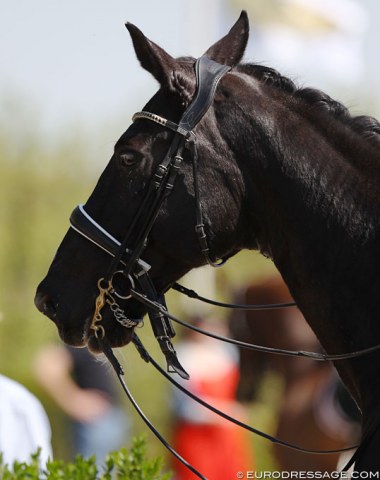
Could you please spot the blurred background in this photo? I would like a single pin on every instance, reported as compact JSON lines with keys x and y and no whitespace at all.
{"x":69,"y":84}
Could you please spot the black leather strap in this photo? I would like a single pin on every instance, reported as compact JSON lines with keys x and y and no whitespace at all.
{"x":208,"y":73}
{"x":85,"y":225}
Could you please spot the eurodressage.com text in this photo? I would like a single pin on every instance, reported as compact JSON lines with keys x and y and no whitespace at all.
{"x":304,"y":475}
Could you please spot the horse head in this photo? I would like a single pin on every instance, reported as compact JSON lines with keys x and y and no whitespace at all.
{"x":171,"y":248}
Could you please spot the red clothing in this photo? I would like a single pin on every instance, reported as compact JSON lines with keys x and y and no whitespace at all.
{"x":214,"y":446}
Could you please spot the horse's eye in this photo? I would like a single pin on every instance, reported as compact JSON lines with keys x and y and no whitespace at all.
{"x":128,"y":159}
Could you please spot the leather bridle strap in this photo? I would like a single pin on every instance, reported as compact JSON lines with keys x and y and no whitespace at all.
{"x":161,"y":184}
{"x":162,"y":326}
{"x":235,"y":306}
{"x":318,"y":356}
{"x":231,"y":419}
{"x":107,"y":350}
{"x":161,"y":121}
{"x":82,"y":222}
{"x":208,"y":74}
{"x":148,"y":359}
{"x":200,"y":226}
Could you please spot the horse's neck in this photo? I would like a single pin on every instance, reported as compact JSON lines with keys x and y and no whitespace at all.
{"x":318,"y":221}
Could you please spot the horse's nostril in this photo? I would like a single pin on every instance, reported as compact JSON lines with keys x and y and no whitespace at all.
{"x":45,"y":304}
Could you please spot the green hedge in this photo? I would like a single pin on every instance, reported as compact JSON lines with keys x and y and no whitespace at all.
{"x":121,"y":465}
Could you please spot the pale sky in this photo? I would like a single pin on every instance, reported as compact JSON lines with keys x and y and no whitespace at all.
{"x":73,"y":61}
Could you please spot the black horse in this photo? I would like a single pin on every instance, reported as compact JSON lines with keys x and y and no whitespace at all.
{"x":284,"y":170}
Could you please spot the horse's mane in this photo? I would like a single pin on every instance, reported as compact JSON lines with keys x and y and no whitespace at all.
{"x":366,"y":126}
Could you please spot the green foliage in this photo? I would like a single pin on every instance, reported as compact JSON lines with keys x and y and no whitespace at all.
{"x":124,"y":464}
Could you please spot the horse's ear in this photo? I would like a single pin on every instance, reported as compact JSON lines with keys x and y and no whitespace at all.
{"x":229,"y":50}
{"x":152,"y":57}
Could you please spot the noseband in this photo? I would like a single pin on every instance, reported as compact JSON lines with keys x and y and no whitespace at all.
{"x":128,"y":264}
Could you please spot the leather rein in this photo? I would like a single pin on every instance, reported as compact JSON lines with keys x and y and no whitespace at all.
{"x":128,"y":264}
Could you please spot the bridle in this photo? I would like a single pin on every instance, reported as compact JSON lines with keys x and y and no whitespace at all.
{"x":128,"y":252}
{"x":128,"y":264}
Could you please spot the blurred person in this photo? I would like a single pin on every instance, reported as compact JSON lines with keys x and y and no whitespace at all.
{"x":24,"y":425}
{"x":83,"y":387}
{"x":213,"y":445}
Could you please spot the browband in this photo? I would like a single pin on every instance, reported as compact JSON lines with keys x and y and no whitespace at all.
{"x":161,"y":121}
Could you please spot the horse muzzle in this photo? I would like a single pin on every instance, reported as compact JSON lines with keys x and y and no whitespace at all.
{"x":45,"y":305}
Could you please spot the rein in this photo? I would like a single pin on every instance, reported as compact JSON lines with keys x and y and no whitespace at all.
{"x":128,"y":264}
{"x":322,"y":357}
{"x":236,"y":306}
{"x":107,"y":350}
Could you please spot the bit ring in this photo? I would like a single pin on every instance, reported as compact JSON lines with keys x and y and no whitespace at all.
{"x":131,"y":282}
